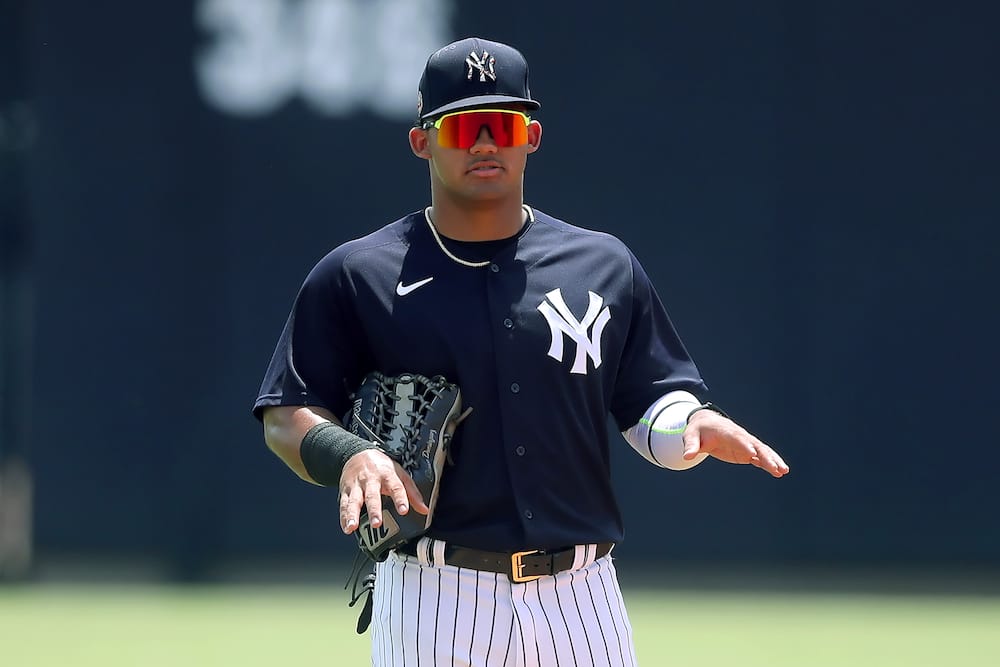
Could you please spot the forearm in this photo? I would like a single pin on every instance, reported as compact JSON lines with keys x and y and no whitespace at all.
{"x":659,"y":435}
{"x":284,"y":429}
{"x":312,"y":442}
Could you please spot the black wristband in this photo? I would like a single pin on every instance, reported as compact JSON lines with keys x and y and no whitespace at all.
{"x":325,"y":450}
{"x":708,"y":406}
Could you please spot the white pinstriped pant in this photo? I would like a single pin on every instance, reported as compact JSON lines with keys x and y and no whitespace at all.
{"x":425,"y":615}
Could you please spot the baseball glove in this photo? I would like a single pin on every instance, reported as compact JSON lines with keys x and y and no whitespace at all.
{"x":412,"y":418}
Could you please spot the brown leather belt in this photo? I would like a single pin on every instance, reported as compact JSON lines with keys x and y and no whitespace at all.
{"x":520,"y":566}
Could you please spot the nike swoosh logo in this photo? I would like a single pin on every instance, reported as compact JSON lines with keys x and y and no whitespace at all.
{"x":403,"y":290}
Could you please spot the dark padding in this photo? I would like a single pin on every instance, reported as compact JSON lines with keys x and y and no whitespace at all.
{"x":708,"y":406}
{"x":325,"y":450}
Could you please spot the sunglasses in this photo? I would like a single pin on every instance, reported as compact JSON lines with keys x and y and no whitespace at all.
{"x":461,"y":128}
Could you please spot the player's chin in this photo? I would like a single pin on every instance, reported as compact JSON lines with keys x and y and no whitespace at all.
{"x":498,"y":181}
{"x":486,"y":189}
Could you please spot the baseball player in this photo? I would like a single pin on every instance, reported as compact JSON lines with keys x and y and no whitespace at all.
{"x":547,"y":328}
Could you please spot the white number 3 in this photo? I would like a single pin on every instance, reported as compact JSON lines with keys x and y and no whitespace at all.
{"x":338,"y":56}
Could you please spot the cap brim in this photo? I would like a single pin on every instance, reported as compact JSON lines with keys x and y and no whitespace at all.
{"x":481,"y":100}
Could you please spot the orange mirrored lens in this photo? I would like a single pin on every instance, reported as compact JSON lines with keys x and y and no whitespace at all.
{"x":461,"y":130}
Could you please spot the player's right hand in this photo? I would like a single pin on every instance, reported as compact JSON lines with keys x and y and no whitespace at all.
{"x":369,"y":475}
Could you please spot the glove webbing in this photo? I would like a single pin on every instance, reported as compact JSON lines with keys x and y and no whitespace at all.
{"x":425,"y":391}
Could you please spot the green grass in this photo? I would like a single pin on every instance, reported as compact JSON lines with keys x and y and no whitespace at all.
{"x":245,"y":626}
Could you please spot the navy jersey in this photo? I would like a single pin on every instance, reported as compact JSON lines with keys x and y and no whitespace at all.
{"x":559,"y":330}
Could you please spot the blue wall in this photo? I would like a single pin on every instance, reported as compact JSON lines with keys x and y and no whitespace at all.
{"x":812,"y":186}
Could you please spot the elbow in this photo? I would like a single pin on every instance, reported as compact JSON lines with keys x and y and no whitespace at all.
{"x":273,"y":439}
{"x":284,"y":428}
{"x":281,"y":437}
{"x":275,"y":433}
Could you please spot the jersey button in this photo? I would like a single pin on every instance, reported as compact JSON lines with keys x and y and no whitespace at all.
{"x":528,"y":514}
{"x":520,"y":450}
{"x":509,"y":323}
{"x":514,"y":388}
{"x":494,"y":268}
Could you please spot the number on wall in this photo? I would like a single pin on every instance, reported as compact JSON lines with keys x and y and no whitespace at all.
{"x":338,"y":56}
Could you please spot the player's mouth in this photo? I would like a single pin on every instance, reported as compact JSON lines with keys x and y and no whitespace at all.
{"x":485,"y":168}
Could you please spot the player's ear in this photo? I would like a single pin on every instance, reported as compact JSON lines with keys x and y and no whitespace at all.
{"x":534,"y":136}
{"x":419,"y":140}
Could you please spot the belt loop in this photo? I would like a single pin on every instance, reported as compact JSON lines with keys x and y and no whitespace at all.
{"x":439,"y":560}
{"x":423,"y":550}
{"x":586,"y":555}
{"x":579,"y":557}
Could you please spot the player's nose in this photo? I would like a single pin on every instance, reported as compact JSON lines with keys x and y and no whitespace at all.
{"x":484,"y":142}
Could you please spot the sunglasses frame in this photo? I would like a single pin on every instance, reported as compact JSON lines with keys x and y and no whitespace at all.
{"x":436,"y":124}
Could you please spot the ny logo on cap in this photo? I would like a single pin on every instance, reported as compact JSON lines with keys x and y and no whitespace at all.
{"x":483,"y":64}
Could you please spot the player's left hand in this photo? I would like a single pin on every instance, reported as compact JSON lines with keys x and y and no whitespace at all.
{"x":720,"y":437}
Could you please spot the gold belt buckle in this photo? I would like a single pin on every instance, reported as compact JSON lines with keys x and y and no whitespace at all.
{"x":517,"y":567}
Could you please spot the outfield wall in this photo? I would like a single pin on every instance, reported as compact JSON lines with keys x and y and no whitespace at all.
{"x":812,"y":186}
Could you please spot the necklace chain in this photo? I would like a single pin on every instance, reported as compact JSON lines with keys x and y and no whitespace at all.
{"x":459,"y":260}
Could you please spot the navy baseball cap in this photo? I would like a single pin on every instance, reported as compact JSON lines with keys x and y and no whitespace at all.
{"x":473,"y":72}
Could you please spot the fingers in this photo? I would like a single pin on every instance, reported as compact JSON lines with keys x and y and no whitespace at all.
{"x":768,"y":460}
{"x":396,"y":489}
{"x":366,"y":478}
{"x":373,"y":501}
{"x":692,"y":442}
{"x":350,"y":508}
{"x":411,"y":492}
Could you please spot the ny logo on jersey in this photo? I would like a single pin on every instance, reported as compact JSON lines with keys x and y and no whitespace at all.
{"x":484,"y":65}
{"x":562,"y":322}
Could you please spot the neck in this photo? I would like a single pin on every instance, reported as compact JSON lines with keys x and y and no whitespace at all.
{"x":477,"y":221}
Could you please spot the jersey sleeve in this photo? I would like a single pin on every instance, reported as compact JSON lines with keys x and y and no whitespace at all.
{"x":654,"y":359}
{"x":317,"y":359}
